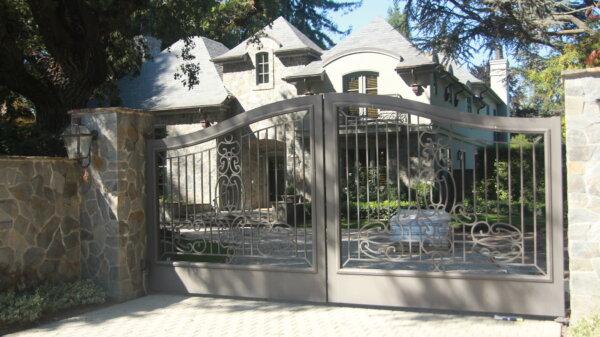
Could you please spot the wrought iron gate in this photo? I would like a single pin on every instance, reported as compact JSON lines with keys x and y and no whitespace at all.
{"x":362,"y":199}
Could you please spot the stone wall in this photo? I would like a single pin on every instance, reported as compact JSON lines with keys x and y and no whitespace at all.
{"x":39,"y":220}
{"x":582,"y":94}
{"x":113,"y":233}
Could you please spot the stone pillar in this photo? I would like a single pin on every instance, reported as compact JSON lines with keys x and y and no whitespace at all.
{"x":113,"y":231}
{"x":582,"y":95}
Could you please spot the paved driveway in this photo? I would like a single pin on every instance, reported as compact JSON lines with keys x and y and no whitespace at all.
{"x":173,"y":315}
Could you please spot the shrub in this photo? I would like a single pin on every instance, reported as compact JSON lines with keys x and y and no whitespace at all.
{"x":18,"y":307}
{"x":586,"y":327}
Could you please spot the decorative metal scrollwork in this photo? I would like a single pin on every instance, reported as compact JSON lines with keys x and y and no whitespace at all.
{"x":231,"y":228}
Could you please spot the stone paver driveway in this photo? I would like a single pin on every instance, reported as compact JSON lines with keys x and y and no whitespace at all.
{"x":173,"y":315}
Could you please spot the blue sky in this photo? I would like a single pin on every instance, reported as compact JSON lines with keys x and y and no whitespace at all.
{"x":361,"y":16}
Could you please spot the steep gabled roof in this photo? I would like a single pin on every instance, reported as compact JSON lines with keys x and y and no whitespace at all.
{"x":289,"y":38}
{"x":156,"y":88}
{"x":380,"y":35}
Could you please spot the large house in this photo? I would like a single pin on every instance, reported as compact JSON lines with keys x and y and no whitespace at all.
{"x":279,"y":63}
{"x":283,"y":63}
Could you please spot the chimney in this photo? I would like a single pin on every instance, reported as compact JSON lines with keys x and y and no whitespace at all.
{"x":499,"y":76}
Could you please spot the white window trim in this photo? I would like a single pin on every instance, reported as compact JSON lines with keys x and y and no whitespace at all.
{"x":270,"y":84}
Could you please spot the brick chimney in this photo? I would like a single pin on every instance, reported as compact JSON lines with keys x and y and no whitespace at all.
{"x":499,"y":76}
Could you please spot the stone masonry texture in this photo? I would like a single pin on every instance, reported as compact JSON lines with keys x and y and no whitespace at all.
{"x":39,"y":221}
{"x":582,"y":100}
{"x":113,"y":234}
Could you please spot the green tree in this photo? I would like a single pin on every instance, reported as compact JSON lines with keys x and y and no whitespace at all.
{"x":399,"y":20}
{"x":460,"y":28}
{"x":544,"y":37}
{"x":59,"y":53}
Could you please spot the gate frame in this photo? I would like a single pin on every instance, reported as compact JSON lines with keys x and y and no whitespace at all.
{"x":249,"y":281}
{"x":521,"y":294}
{"x":326,"y":281}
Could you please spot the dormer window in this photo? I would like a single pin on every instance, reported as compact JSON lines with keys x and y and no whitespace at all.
{"x":262,"y":68}
{"x":362,"y":83}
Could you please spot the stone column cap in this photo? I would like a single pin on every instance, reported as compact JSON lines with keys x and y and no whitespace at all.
{"x":118,"y":110}
{"x":573,"y":73}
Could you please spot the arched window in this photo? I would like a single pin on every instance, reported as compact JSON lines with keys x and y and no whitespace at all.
{"x":361,"y":83}
{"x":262,"y":68}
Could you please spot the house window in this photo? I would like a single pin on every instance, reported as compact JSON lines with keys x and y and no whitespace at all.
{"x":362,"y":83}
{"x":262,"y":68}
{"x":469,"y":104}
{"x":435,"y":84}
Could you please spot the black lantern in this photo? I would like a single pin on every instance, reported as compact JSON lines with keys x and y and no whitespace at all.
{"x":78,"y":141}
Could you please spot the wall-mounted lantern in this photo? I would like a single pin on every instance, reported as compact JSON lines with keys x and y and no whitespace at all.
{"x":78,"y":141}
{"x":417,"y":89}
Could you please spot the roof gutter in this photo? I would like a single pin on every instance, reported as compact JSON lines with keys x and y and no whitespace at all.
{"x":231,"y":59}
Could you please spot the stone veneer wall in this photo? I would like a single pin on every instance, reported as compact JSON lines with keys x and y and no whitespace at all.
{"x":582,"y":95}
{"x":39,"y":220}
{"x":113,"y":233}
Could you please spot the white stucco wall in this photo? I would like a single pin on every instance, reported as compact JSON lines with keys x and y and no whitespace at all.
{"x":389,"y":82}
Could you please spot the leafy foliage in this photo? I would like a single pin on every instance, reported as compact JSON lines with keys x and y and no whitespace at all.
{"x":460,"y":29}
{"x":399,"y":20}
{"x":589,"y":327}
{"x":19,"y":307}
{"x":59,"y":53}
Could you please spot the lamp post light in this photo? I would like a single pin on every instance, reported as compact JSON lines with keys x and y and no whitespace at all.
{"x":78,"y":141}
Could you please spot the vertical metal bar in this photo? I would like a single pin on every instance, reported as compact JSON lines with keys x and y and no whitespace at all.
{"x":194,"y":182}
{"x":179,"y":189}
{"x":398,"y":162}
{"x":347,"y":186}
{"x":462,"y":182}
{"x":533,"y":173}
{"x":522,"y":206}
{"x":304,"y":187}
{"x":420,"y":167}
{"x":387,"y":163}
{"x":285,"y":124}
{"x":243,"y":169}
{"x":295,"y":185}
{"x":276,"y":169}
{"x":267,"y":178}
{"x":259,"y":185}
{"x":377,"y":170}
{"x":408,"y":175}
{"x":357,"y":182}
{"x":367,"y":171}
{"x":475,"y":179}
{"x":485,"y":181}
{"x":165,"y":200}
{"x":172,"y":200}
{"x":215,"y":202}
{"x":187,"y":200}
{"x":497,"y":182}
{"x":253,"y":172}
{"x":509,"y":183}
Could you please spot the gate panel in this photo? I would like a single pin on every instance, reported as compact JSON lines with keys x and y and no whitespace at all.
{"x":235,"y":206}
{"x":435,"y":209}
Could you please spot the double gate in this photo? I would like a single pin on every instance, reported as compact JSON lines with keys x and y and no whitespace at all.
{"x":362,"y":199}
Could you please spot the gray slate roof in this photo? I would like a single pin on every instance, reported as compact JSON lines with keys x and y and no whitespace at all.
{"x":283,"y":32}
{"x":379,"y":34}
{"x":156,"y":88}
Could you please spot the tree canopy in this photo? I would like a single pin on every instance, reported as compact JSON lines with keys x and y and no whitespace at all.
{"x":462,"y":28}
{"x":57,"y":54}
